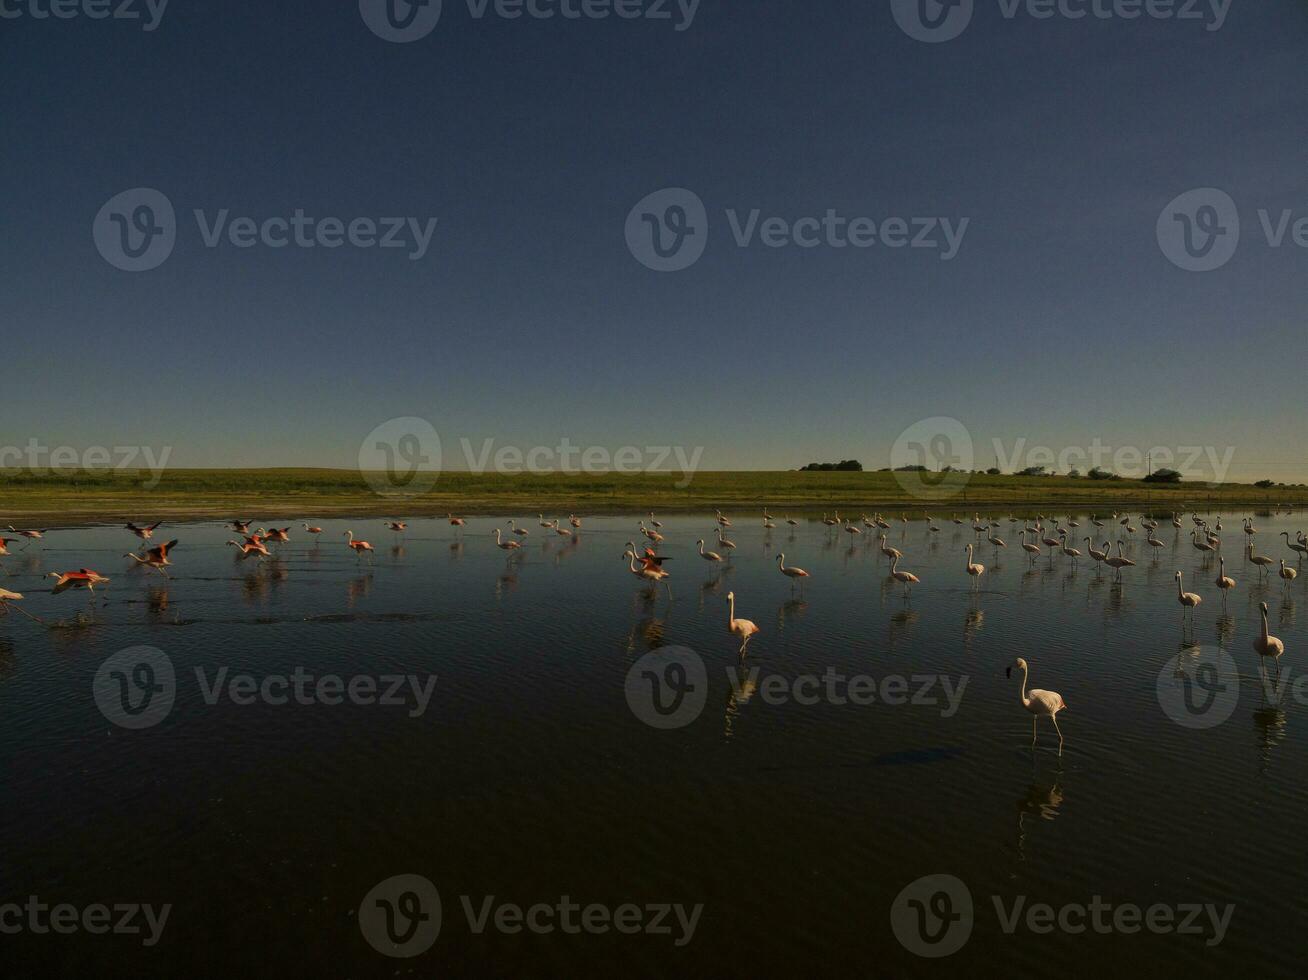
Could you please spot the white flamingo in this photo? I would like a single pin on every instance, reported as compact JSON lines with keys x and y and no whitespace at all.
{"x":907,"y":578}
{"x":742,"y":628}
{"x":974,"y":569}
{"x":1188,"y":600}
{"x":707,"y":555}
{"x":1039,"y":703}
{"x":791,"y":572}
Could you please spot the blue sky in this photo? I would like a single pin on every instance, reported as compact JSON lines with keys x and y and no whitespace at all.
{"x":529,"y":320}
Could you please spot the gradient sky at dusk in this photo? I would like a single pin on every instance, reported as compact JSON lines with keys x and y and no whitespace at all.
{"x":1059,"y":321}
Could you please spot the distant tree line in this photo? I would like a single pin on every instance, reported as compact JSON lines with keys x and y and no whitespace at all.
{"x":851,"y":465}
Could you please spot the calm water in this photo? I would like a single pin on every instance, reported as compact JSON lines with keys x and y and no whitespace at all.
{"x":529,"y":776}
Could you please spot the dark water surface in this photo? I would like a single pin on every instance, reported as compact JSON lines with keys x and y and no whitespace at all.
{"x":529,"y":776}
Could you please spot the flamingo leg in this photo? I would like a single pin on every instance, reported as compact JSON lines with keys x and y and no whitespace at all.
{"x":1054,"y":719}
{"x":1034,"y":719}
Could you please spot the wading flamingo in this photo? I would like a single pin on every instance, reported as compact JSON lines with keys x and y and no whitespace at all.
{"x":1224,"y":581}
{"x":1031,"y":549}
{"x":1188,"y":600}
{"x":650,"y":571}
{"x":1261,"y":561}
{"x":791,"y":571}
{"x":707,"y":555}
{"x":251,"y":546}
{"x":313,"y":529}
{"x":1287,"y":574}
{"x":505,"y":545}
{"x":908,"y":578}
{"x":1039,"y":703}
{"x":742,"y":628}
{"x":974,"y":569}
{"x":1297,"y":546}
{"x":359,"y":547}
{"x":1266,"y":645}
{"x":1118,"y":561}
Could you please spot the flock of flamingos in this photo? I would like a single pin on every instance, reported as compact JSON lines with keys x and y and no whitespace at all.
{"x":647,"y":565}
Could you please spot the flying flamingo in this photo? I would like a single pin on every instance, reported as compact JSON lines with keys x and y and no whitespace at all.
{"x":505,"y":545}
{"x":396,"y":526}
{"x":156,"y":557}
{"x":650,"y":572}
{"x":1188,"y":600}
{"x":7,"y":597}
{"x":83,"y":578}
{"x":742,"y":628}
{"x":144,"y":533}
{"x":359,"y":547}
{"x":1224,"y":581}
{"x":251,"y":546}
{"x":240,"y":527}
{"x":791,"y":572}
{"x":973,"y":569}
{"x":908,"y":578}
{"x":1039,"y":703}
{"x":279,"y":534}
{"x":34,"y":535}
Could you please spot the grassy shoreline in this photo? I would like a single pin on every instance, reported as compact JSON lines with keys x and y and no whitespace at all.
{"x":292,"y":493}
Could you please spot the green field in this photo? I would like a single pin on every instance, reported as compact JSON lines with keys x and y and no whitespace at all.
{"x":46,"y":499}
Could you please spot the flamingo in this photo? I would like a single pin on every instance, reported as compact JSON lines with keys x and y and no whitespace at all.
{"x":1297,"y":546}
{"x":156,"y":557}
{"x":790,"y":571}
{"x":521,"y":532}
{"x":1224,"y":581}
{"x":574,"y":520}
{"x":34,"y":535}
{"x":742,"y":628}
{"x":1118,"y":561}
{"x":792,"y":523}
{"x":908,"y":578}
{"x":829,"y":522}
{"x":313,"y":529}
{"x":251,"y":546}
{"x":974,"y":569}
{"x":83,"y":578}
{"x":650,"y":572}
{"x":1098,"y":556}
{"x":359,"y":547}
{"x":278,"y":534}
{"x":890,"y":553}
{"x":1031,"y":549}
{"x":724,"y":543}
{"x":1268,"y":646}
{"x":1153,"y":541}
{"x":1046,"y":703}
{"x":707,"y":555}
{"x":455,"y":522}
{"x":560,"y":531}
{"x":1188,"y":600}
{"x":1205,"y":545}
{"x":396,"y":526}
{"x":1072,"y":553}
{"x":654,"y":522}
{"x":1261,"y":561}
{"x":240,"y":527}
{"x":144,"y":533}
{"x":505,"y":545}
{"x":1287,"y":574}
{"x":7,"y":597}
{"x":722,"y":520}
{"x":997,"y":541}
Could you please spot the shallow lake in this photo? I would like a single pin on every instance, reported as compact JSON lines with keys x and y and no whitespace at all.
{"x":589,"y":740}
